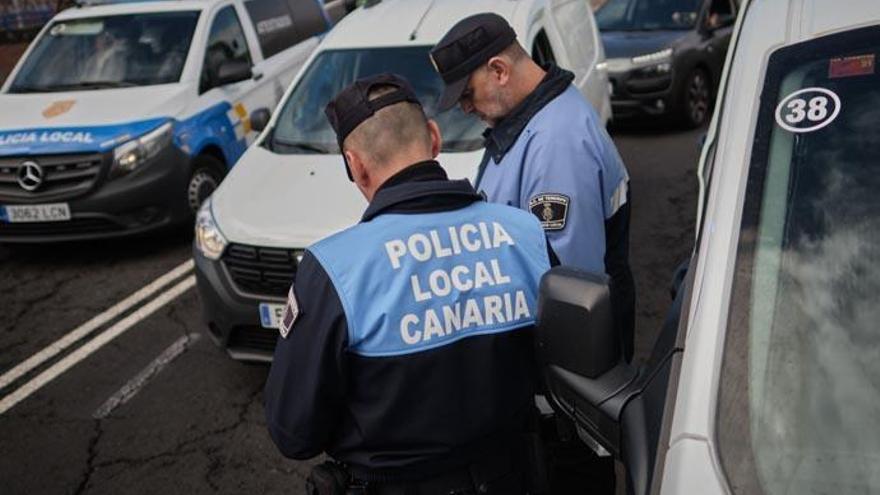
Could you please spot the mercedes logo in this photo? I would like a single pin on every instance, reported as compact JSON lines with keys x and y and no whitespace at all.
{"x":30,"y":175}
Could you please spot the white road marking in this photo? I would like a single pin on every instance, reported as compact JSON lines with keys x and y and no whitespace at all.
{"x":96,"y":343}
{"x":88,"y":327}
{"x":140,"y":380}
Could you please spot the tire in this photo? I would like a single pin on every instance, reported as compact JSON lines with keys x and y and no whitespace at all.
{"x":207,"y":173}
{"x":696,"y":99}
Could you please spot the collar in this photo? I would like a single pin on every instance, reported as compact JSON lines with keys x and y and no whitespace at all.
{"x":499,"y":139}
{"x":420,"y":188}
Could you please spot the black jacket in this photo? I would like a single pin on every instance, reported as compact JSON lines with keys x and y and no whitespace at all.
{"x":397,"y":417}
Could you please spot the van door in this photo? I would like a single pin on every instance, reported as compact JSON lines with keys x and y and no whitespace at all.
{"x":228,"y":47}
{"x":285,"y":34}
{"x":578,"y":34}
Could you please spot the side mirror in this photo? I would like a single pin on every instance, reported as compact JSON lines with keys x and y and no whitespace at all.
{"x":579,"y":351}
{"x":576,"y":328}
{"x":260,"y":119}
{"x":233,"y":71}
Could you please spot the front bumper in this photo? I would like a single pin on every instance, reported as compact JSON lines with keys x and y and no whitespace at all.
{"x":232,"y":315}
{"x":633,"y":97}
{"x":150,"y":198}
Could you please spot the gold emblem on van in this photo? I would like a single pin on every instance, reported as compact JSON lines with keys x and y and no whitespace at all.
{"x":58,"y":108}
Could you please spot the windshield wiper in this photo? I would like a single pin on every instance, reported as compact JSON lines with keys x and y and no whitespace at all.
{"x":303,"y":146}
{"x":89,"y":85}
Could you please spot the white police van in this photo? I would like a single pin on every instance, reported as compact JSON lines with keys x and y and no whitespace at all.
{"x":764,"y":379}
{"x":290,"y":189}
{"x":122,"y":117}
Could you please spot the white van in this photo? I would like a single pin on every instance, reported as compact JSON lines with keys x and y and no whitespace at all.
{"x":122,"y":117}
{"x":764,"y":379}
{"x":291,"y":189}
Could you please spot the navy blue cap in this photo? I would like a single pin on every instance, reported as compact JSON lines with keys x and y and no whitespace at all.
{"x":468,"y":45}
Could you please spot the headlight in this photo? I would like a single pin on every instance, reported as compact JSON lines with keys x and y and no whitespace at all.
{"x":129,"y":156}
{"x":209,"y":239}
{"x":653,"y":58}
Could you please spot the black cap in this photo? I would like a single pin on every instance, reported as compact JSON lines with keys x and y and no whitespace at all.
{"x":351,"y":106}
{"x":469,"y":44}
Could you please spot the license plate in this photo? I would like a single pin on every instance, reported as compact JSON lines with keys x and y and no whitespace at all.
{"x":55,"y":212}
{"x":270,"y":314}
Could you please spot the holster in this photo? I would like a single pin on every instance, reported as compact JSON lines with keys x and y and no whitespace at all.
{"x":327,"y":478}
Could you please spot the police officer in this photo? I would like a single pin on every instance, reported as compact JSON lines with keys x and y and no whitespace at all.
{"x":546,"y":151}
{"x":406,"y":349}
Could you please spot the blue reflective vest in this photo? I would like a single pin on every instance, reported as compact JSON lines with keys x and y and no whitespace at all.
{"x":411,"y":283}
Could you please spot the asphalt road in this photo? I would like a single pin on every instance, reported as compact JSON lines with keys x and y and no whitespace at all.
{"x":176,"y":415}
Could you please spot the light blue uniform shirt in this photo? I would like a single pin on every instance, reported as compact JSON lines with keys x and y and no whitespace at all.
{"x":564,"y":168}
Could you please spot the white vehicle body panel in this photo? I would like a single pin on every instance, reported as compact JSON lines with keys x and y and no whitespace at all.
{"x":311,"y":195}
{"x":692,"y":464}
{"x":300,"y":198}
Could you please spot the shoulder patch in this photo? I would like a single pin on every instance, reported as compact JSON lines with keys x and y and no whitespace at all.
{"x":551,"y":209}
{"x":288,"y":317}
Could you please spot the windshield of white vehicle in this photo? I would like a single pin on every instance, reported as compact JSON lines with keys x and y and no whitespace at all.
{"x":646,"y":15}
{"x":799,"y":408}
{"x":108,"y":52}
{"x":303,"y":128}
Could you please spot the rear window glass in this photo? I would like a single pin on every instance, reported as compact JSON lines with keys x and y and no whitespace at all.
{"x":800,"y":385}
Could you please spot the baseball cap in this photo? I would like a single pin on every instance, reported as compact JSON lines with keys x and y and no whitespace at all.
{"x":469,"y":44}
{"x":351,"y":106}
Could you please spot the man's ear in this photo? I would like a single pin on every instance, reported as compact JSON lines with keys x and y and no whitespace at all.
{"x":499,"y":70}
{"x":436,"y":138}
{"x":356,"y":165}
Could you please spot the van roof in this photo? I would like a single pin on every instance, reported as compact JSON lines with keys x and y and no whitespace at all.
{"x":409,"y":22}
{"x":115,"y":7}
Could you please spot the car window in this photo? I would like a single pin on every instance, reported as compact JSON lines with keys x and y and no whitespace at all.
{"x":647,"y":15}
{"x":108,"y":52}
{"x":226,"y":43}
{"x":280,"y":24}
{"x":721,"y":13}
{"x":302,"y":126}
{"x":799,"y":397}
{"x":542,"y":52}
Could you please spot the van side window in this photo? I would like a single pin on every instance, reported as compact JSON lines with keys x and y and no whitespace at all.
{"x":280,"y":24}
{"x":542,"y":53}
{"x":226,"y":43}
{"x":721,"y":13}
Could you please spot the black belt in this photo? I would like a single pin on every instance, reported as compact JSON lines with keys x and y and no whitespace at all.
{"x":476,"y":478}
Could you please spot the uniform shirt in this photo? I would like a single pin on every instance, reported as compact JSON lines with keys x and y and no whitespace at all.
{"x":402,"y":363}
{"x":553,"y":157}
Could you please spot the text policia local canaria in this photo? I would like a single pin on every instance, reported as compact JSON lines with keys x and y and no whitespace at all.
{"x":493,"y":309}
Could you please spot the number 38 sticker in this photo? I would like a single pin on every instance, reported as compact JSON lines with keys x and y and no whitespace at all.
{"x":808,"y":110}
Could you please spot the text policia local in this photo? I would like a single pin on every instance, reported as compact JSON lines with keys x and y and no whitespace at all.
{"x":507,"y":307}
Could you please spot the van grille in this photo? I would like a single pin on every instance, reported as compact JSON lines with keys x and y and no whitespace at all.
{"x":64,"y":176}
{"x":261,"y":271}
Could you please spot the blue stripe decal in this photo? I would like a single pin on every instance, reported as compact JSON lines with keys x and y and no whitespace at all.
{"x":210,"y":127}
{"x":73,"y":139}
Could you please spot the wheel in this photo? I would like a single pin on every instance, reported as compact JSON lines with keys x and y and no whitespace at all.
{"x":206,"y":175}
{"x":696,"y":98}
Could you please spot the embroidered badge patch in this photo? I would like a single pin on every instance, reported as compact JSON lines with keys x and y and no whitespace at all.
{"x":551,"y":209}
{"x":288,"y":317}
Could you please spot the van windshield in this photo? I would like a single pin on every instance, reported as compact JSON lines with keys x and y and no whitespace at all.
{"x":108,"y":52}
{"x":800,"y":384}
{"x":303,"y":128}
{"x":646,"y":15}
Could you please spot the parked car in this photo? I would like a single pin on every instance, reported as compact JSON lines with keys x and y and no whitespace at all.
{"x":122,"y":117}
{"x":665,"y":56}
{"x":291,"y":189}
{"x":764,"y":378}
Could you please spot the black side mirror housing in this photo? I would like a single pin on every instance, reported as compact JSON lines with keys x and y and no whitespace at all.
{"x":579,"y":351}
{"x":576,"y":329}
{"x":260,"y":119}
{"x":233,"y":71}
